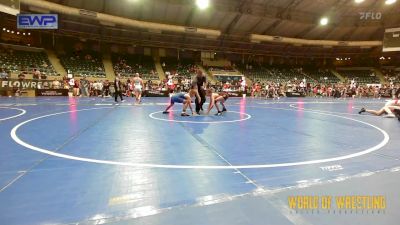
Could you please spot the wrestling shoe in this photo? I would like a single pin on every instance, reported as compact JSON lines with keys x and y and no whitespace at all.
{"x":165,"y":112}
{"x":184,"y":114}
{"x":218,"y":113}
{"x":361,"y":111}
{"x":224,"y":109}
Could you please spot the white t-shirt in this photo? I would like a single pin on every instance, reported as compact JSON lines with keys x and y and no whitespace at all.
{"x":72,"y":82}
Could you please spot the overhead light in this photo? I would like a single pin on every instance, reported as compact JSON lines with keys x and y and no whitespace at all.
{"x":29,"y":33}
{"x":358,"y":1}
{"x":389,"y":2}
{"x":202,"y":4}
{"x":324,"y":21}
{"x":12,"y":31}
{"x":18,"y":32}
{"x":4,"y":28}
{"x":388,"y":58}
{"x":8,"y":31}
{"x":23,"y":33}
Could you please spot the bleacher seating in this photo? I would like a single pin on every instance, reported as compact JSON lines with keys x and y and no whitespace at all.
{"x":262,"y":74}
{"x":17,"y":61}
{"x":185,"y":68}
{"x":322,"y":76}
{"x":83,"y":64}
{"x":220,"y":69}
{"x":360,"y":76}
{"x":225,"y":74}
{"x":127,"y":65}
{"x":391,"y":75}
{"x":228,"y":78}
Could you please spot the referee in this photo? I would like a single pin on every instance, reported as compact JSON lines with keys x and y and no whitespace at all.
{"x":118,"y":89}
{"x":200,"y":80}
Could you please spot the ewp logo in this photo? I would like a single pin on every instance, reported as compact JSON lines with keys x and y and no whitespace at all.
{"x":37,"y":21}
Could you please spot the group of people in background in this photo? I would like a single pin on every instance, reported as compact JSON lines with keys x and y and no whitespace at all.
{"x":118,"y":88}
{"x":337,"y":90}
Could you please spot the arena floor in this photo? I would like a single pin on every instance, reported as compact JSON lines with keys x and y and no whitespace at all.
{"x":89,"y":161}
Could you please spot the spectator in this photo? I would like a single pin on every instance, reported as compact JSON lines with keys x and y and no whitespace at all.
{"x":36,"y":74}
{"x":3,"y":74}
{"x":106,"y":88}
{"x":75,"y":87}
{"x":84,"y":87}
{"x":56,"y":84}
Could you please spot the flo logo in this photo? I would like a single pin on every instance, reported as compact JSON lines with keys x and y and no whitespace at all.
{"x":370,"y":15}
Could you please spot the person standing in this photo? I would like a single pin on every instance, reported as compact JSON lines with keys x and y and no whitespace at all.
{"x":243,"y":84}
{"x":84,"y":85}
{"x":118,"y":89}
{"x":200,"y":81}
{"x":138,"y":85}
{"x":76,"y":88}
{"x":170,"y":83}
{"x":106,"y":89}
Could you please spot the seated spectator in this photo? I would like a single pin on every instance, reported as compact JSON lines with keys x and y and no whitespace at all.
{"x":43,"y":76}
{"x":21,"y":76}
{"x":36,"y":74}
{"x":56,"y":84}
{"x":3,"y":74}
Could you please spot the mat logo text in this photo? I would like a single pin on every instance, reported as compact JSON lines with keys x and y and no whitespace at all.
{"x":354,"y":202}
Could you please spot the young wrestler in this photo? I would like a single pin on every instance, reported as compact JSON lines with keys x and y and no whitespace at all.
{"x":138,"y":85}
{"x":185,"y":99}
{"x":388,"y":109}
{"x":214,"y":99}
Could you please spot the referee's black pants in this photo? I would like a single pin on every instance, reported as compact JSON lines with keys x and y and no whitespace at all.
{"x":202,"y":94}
{"x":116,"y":94}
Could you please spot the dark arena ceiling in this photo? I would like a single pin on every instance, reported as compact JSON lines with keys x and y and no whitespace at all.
{"x":236,"y":20}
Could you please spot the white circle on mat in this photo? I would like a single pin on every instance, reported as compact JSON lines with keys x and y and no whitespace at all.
{"x":22,"y":112}
{"x":151,"y":115}
{"x":15,"y":137}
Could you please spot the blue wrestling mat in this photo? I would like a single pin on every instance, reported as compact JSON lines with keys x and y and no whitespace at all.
{"x":90,"y":161}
